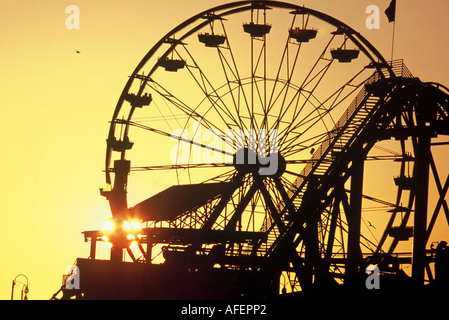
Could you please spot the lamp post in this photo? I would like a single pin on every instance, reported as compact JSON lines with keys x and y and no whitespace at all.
{"x":25,"y":289}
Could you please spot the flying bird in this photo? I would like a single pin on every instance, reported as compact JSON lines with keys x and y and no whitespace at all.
{"x":371,"y":225}
{"x":77,"y":51}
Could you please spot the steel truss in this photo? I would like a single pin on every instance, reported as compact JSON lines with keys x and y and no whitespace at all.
{"x":227,"y":226}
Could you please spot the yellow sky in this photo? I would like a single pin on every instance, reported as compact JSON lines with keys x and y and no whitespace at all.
{"x":55,"y":106}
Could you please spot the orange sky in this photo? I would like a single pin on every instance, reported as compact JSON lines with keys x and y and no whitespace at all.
{"x":55,"y":106}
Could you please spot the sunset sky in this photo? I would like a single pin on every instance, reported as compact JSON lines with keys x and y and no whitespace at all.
{"x":55,"y":105}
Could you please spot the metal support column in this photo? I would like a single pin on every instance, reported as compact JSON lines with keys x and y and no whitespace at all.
{"x":312,"y":253}
{"x":420,"y":220}
{"x":355,"y":213}
{"x":93,"y":247}
{"x":116,"y":253}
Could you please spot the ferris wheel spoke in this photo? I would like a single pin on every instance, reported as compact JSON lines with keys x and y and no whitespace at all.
{"x":172,"y":99}
{"x":297,"y":138}
{"x":315,"y":117}
{"x":283,"y":111}
{"x":261,"y":99}
{"x":319,"y":75}
{"x":181,"y":166}
{"x":297,"y":143}
{"x":293,"y":146}
{"x":307,"y":100}
{"x":231,"y":65}
{"x":284,"y":60}
{"x":235,"y":100}
{"x":193,"y":112}
{"x":180,"y":138}
{"x":286,"y":87}
{"x":187,"y":110}
{"x":167,"y":118}
{"x":273,"y":211}
{"x":255,"y":58}
{"x":261,"y":96}
{"x":225,"y":176}
{"x":296,"y":121}
{"x":209,"y":91}
{"x":336,"y":103}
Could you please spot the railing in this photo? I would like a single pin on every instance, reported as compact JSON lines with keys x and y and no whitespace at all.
{"x":339,"y":132}
{"x":400,"y":69}
{"x":335,"y":133}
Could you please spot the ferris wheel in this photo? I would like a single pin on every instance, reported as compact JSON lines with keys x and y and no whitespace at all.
{"x":242,"y":139}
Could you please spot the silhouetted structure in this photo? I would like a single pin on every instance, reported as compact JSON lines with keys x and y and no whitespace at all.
{"x":310,"y":240}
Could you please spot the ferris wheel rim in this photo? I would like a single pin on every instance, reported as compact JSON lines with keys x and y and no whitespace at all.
{"x":361,"y":43}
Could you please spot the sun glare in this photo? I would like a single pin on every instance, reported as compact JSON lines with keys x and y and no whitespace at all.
{"x":108,"y":225}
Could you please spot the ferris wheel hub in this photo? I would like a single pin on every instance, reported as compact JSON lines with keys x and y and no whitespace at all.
{"x":248,"y":161}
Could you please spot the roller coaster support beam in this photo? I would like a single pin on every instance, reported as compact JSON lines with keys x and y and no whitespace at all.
{"x":312,"y":254}
{"x":420,"y":219}
{"x":355,"y":211}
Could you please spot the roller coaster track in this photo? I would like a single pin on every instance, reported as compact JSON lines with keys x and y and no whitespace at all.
{"x":341,"y":138}
{"x":368,"y":119}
